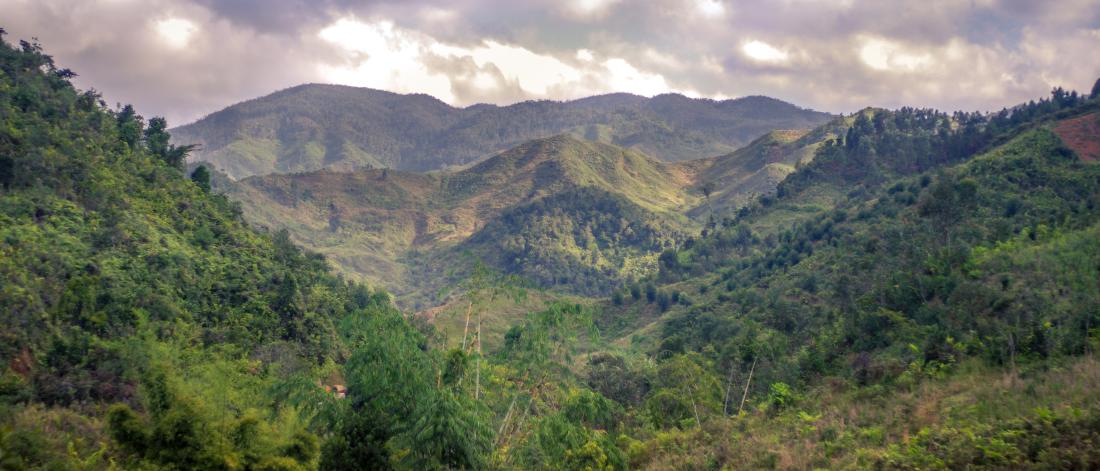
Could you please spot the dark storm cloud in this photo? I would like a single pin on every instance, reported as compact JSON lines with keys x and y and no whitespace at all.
{"x":185,"y":58}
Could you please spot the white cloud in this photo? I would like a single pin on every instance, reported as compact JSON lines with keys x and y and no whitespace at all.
{"x":625,"y":77}
{"x":379,"y":54}
{"x":175,"y":32}
{"x":763,"y":52}
{"x":836,"y":55}
{"x":589,"y":9}
{"x":886,"y":55}
{"x":391,"y":58}
{"x":535,"y":73}
{"x":438,"y":15}
{"x":710,"y":8}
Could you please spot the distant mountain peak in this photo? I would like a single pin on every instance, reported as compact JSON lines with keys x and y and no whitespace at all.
{"x":312,"y":126}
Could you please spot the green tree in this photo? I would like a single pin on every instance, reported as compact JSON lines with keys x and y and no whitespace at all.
{"x":157,"y":143}
{"x":201,"y":177}
{"x":130,"y":126}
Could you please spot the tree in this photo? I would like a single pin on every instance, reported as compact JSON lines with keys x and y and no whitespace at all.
{"x":201,"y":177}
{"x":448,"y":433}
{"x":1095,"y":90}
{"x":156,"y":136}
{"x":129,"y":125}
{"x":157,"y":142}
{"x":360,"y":443}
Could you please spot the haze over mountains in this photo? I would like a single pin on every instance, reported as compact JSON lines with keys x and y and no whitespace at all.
{"x":310,"y":127}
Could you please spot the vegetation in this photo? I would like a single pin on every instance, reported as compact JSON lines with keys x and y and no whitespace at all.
{"x":923,"y":273}
{"x":578,"y":216}
{"x":920,"y":294}
{"x":147,"y":326}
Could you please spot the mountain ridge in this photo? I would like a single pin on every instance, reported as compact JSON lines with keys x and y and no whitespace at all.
{"x":313,"y":126}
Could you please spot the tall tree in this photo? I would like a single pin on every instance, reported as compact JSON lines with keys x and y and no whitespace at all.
{"x":157,"y":143}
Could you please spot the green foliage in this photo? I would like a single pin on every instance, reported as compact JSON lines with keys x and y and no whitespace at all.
{"x":614,"y":378}
{"x":1042,"y":440}
{"x":407,"y":408}
{"x":559,"y":443}
{"x":201,"y":177}
{"x":124,"y":283}
{"x":985,"y":252}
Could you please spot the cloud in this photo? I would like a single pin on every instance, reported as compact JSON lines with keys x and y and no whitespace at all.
{"x":176,"y":32}
{"x":710,"y":8}
{"x":886,"y":55}
{"x":186,"y":58}
{"x":588,"y":9}
{"x":763,"y":52}
{"x":378,"y":54}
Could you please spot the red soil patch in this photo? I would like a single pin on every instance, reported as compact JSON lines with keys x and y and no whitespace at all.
{"x":1082,"y":134}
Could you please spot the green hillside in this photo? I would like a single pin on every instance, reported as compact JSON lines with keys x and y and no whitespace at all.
{"x":310,"y":127}
{"x":736,"y":179}
{"x":564,"y":212}
{"x":948,"y":249}
{"x":147,"y":326}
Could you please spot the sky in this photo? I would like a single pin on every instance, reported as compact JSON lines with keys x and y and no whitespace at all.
{"x":183,"y":59}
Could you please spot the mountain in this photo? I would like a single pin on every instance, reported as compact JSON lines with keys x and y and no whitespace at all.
{"x":310,"y":127}
{"x":551,"y":209}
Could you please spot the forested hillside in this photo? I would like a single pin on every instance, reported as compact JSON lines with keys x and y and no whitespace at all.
{"x":310,"y":127}
{"x":916,"y":254}
{"x":146,"y":326}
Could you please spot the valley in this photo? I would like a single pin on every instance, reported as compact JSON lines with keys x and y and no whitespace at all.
{"x":344,"y":278}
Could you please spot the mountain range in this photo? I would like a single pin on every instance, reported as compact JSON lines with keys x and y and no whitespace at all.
{"x":895,"y":289}
{"x":564,"y":212}
{"x":310,"y":127}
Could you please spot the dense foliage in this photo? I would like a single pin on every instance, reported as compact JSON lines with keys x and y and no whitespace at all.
{"x":586,"y":240}
{"x":147,"y":326}
{"x":898,"y":266}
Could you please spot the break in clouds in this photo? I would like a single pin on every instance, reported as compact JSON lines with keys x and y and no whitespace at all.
{"x":185,"y":58}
